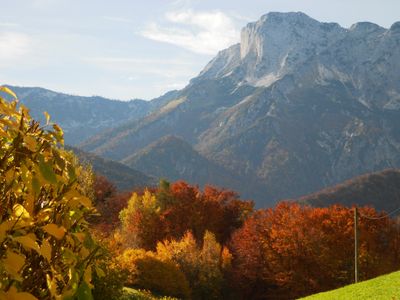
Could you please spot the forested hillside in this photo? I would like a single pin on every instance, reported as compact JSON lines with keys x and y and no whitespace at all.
{"x":380,"y":190}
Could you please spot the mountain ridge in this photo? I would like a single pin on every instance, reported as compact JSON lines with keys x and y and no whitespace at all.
{"x":298,"y":104}
{"x":378,"y":189}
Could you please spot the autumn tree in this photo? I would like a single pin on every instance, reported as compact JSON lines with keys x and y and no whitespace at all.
{"x":109,"y":203}
{"x":292,"y":250}
{"x":46,"y":250}
{"x":180,"y":268}
{"x":103,"y":189}
{"x":141,"y":222}
{"x":148,"y":271}
{"x":173,"y":209}
{"x":203,"y":265}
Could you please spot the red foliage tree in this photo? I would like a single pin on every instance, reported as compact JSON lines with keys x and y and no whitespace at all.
{"x":108,"y":202}
{"x":103,"y":189}
{"x":292,"y":250}
{"x":180,"y":207}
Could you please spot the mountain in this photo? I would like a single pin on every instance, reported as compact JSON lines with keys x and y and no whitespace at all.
{"x":83,"y":117}
{"x":379,"y":189}
{"x":173,"y":158}
{"x":124,"y":177}
{"x":298,"y":104}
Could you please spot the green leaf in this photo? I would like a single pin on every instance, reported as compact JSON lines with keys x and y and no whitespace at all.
{"x":84,"y":292}
{"x":36,"y":185}
{"x":71,"y":172}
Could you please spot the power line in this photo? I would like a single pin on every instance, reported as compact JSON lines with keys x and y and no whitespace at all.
{"x":381,"y":217}
{"x":356,"y":214}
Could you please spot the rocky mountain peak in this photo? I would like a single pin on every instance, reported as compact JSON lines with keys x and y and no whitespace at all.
{"x":395,"y":27}
{"x":271,"y":47}
{"x":366,"y":27}
{"x":279,"y":30}
{"x":297,"y":18}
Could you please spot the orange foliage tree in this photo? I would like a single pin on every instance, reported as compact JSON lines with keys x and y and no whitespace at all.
{"x":171,"y":210}
{"x":294,"y":250}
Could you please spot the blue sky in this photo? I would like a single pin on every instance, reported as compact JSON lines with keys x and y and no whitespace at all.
{"x":125,"y":49}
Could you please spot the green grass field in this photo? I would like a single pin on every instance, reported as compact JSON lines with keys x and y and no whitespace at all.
{"x":386,"y":287}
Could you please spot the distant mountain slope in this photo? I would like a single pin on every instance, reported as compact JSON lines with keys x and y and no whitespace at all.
{"x":298,"y":104}
{"x":124,"y":177}
{"x":83,"y":117}
{"x":173,"y":158}
{"x":380,"y":190}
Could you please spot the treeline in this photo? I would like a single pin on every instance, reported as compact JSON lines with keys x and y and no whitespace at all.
{"x":180,"y":241}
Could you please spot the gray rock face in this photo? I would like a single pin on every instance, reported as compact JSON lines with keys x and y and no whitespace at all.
{"x":298,"y":105}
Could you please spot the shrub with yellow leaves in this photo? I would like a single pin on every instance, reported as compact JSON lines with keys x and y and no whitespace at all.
{"x":147,"y":271}
{"x":203,"y":265}
{"x":46,"y":251}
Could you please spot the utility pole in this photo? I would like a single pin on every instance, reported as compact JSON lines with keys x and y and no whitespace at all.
{"x":355,"y":245}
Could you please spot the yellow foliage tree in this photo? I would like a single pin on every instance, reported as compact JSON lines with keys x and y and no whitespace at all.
{"x":203,"y":266}
{"x":140,"y":221}
{"x":147,"y":271}
{"x":46,"y":251}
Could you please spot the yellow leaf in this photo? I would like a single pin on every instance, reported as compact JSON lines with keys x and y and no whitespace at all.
{"x":84,"y":252}
{"x":28,"y":241}
{"x":20,"y":212}
{"x":52,"y":285}
{"x":29,"y":203}
{"x":3,"y":133}
{"x":85,"y":201}
{"x":9,"y":176}
{"x":46,"y":249}
{"x":8,"y":91}
{"x":3,"y":295}
{"x":13,"y":294}
{"x":30,"y":143}
{"x":80,"y":236}
{"x":46,"y":114}
{"x":13,"y":263}
{"x":88,"y":275}
{"x":99,"y":271}
{"x":54,"y":230}
{"x":4,"y":227}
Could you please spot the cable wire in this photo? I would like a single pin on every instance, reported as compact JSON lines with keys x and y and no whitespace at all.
{"x":382,"y":217}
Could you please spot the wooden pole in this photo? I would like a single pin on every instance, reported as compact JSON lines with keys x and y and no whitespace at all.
{"x":355,"y":245}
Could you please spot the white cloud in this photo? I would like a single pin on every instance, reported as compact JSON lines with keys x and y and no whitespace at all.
{"x":13,"y":45}
{"x":200,"y":32}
